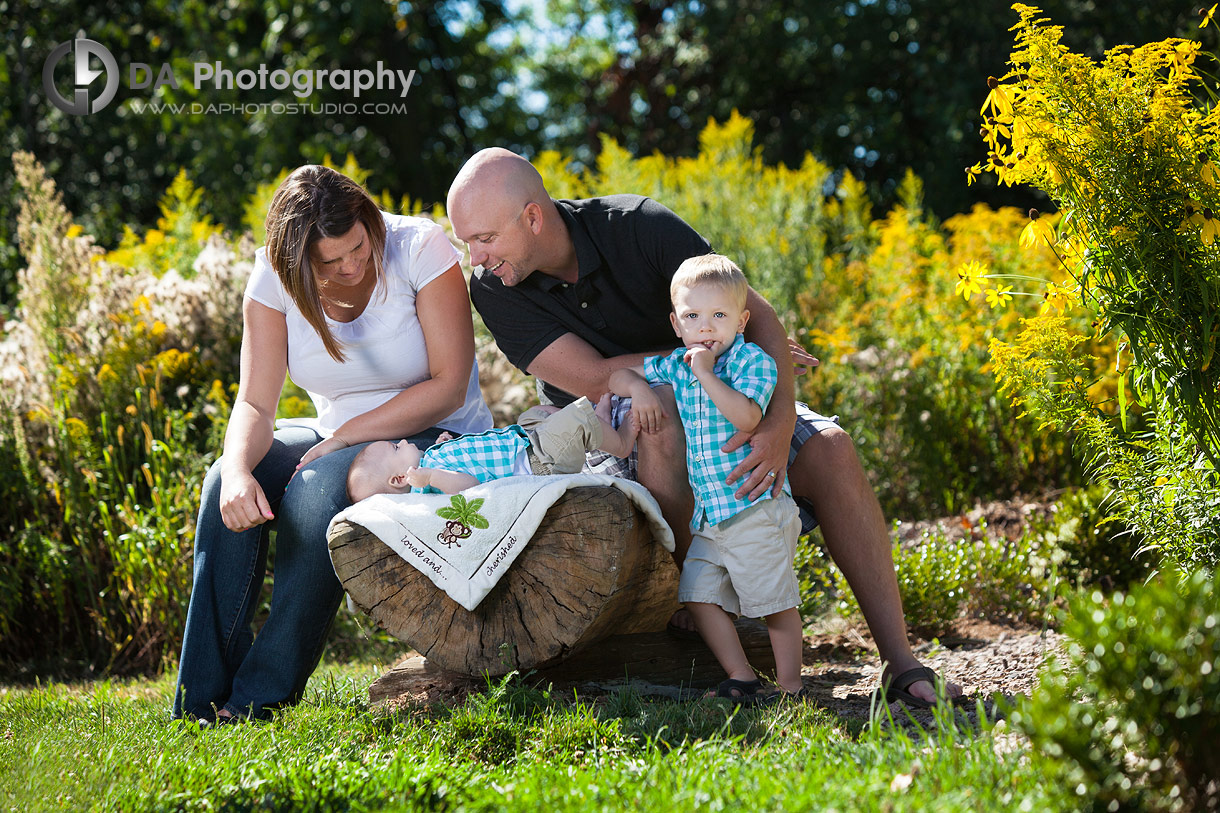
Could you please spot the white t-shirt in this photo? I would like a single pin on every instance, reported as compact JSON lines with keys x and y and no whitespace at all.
{"x":384,"y":346}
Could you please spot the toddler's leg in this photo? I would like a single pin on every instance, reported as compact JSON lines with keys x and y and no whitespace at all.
{"x":784,"y":628}
{"x":717,"y":630}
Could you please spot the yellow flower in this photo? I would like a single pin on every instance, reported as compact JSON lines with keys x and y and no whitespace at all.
{"x":1037,"y":229}
{"x":74,"y":231}
{"x":155,"y":237}
{"x":1183,"y":54}
{"x":997,"y":99}
{"x":1207,"y":15}
{"x":998,"y":296}
{"x":1209,"y":226}
{"x":1056,"y":298}
{"x":968,"y":276}
{"x":1208,"y":171}
{"x":972,"y":174}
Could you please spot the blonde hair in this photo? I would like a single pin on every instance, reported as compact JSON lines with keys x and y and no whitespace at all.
{"x":710,"y":269}
{"x":313,"y":203}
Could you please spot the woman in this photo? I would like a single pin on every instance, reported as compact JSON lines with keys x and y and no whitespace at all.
{"x":369,"y":313}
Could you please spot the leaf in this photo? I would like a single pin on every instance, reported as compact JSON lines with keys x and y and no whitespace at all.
{"x":477,"y":521}
{"x":449,"y":513}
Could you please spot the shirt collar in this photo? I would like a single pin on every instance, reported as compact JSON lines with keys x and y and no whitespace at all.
{"x":588,"y":258}
{"x":723,"y":359}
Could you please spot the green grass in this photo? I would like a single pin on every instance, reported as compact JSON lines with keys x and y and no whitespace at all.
{"x":111,"y":746}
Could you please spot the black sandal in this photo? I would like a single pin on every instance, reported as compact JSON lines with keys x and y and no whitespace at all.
{"x":747,"y":691}
{"x":896,"y":689}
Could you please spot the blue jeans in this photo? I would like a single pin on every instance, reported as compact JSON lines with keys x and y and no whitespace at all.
{"x":223,"y":664}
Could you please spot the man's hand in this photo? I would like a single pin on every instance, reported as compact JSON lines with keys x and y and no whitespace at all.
{"x":769,"y":445}
{"x":802,"y":361}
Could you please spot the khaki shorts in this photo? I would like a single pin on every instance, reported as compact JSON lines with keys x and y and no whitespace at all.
{"x":744,"y":564}
{"x":560,"y":440}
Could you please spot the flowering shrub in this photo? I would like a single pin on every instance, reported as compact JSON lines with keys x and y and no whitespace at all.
{"x":902,"y":358}
{"x":1124,"y":147}
{"x":112,"y":407}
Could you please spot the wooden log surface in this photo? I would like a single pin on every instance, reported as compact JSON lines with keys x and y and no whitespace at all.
{"x":653,"y":657}
{"x":591,"y":569}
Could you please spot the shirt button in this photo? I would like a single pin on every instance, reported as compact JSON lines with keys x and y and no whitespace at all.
{"x":584,"y":304}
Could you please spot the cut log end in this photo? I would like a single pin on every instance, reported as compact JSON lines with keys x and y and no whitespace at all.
{"x":591,"y":569}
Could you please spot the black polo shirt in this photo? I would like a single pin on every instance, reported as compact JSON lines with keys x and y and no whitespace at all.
{"x":627,"y":249}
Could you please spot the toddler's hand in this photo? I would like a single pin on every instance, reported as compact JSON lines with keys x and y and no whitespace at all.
{"x":700,"y":359}
{"x":646,"y":411}
{"x":444,"y":436}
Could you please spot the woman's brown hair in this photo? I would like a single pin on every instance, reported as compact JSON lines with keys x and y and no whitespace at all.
{"x":313,"y":203}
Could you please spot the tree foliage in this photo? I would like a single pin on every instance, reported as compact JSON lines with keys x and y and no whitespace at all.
{"x":113,"y":165}
{"x":873,"y":86}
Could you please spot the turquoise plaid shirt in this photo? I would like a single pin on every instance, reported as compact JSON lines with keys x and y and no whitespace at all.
{"x":486,"y":456}
{"x":746,"y":368}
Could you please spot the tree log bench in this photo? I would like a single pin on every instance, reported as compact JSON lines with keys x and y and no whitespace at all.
{"x":592,"y":572}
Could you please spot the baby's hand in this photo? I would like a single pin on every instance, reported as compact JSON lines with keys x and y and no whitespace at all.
{"x":700,"y":359}
{"x":444,"y":436}
{"x":419,"y":478}
{"x":646,"y":411}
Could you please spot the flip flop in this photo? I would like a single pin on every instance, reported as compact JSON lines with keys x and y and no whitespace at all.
{"x":747,"y":691}
{"x":895,"y":689}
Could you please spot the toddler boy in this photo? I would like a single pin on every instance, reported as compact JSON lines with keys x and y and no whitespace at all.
{"x":741,"y":553}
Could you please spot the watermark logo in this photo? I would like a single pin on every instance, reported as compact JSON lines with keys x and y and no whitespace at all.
{"x":83,"y":77}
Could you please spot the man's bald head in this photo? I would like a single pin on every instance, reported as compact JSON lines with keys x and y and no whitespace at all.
{"x":494,"y":183}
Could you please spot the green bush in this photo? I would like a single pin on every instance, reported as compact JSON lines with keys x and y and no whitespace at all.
{"x":940,"y":578}
{"x":1131,"y":716}
{"x":1098,"y":548}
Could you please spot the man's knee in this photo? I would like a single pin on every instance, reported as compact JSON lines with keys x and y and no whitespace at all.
{"x":662,"y":457}
{"x":832,"y":447}
{"x":826,"y":458}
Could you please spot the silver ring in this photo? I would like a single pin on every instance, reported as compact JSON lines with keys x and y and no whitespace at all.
{"x":770,"y":474}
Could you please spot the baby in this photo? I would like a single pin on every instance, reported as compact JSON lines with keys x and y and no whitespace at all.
{"x":546,"y":440}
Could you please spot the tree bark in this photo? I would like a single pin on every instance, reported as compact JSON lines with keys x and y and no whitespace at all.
{"x":591,"y":569}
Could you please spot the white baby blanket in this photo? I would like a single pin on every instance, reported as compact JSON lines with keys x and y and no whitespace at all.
{"x":465,"y":542}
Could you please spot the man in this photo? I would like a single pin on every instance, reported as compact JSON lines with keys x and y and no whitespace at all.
{"x":574,"y":290}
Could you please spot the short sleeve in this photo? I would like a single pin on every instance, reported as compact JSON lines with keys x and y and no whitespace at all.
{"x":660,"y":369}
{"x":423,"y":245}
{"x":264,"y":286}
{"x":666,"y":239}
{"x":753,"y":373}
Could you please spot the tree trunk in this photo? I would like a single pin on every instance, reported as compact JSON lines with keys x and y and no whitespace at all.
{"x":592,"y":569}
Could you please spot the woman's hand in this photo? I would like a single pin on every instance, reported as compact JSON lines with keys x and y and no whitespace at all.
{"x":332,"y":444}
{"x":243,"y":505}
